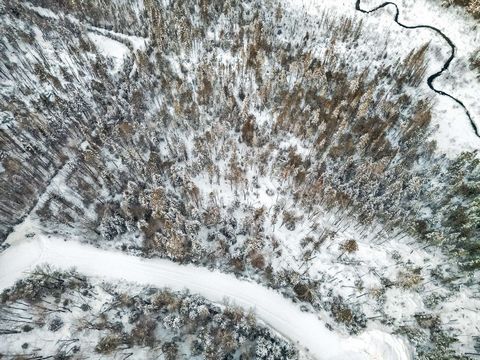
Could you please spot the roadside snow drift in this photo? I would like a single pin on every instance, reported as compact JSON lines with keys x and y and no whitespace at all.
{"x":281,"y":314}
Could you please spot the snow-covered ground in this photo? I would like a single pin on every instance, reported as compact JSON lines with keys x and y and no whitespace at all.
{"x":278,"y":312}
{"x":110,"y":49}
{"x":454,"y":132}
{"x":374,"y":255}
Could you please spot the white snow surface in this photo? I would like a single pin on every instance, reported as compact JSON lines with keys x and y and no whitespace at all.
{"x":110,"y":49}
{"x":451,"y":128}
{"x":271,"y":307}
{"x":44,"y":12}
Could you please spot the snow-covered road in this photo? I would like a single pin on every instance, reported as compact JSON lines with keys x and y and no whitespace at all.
{"x":278,"y":312}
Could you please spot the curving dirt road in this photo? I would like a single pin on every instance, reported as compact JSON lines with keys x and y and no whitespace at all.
{"x":445,"y":66}
{"x":305,"y":329}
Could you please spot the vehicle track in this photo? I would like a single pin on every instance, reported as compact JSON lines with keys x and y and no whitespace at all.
{"x":446,"y":65}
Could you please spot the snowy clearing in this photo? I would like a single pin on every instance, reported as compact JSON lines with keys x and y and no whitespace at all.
{"x":271,"y":307}
{"x":110,"y":49}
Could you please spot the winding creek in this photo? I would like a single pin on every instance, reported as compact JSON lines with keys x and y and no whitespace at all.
{"x":445,"y":66}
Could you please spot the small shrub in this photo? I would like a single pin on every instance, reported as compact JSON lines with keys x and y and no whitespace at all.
{"x":303,"y":292}
{"x":257,"y":260}
{"x":27,"y":328}
{"x":163,"y":299}
{"x":170,"y":349}
{"x":107,"y":344}
{"x":144,"y":332}
{"x":55,"y":324}
{"x":352,"y":318}
{"x":428,"y":321}
{"x":238,"y":264}
{"x":408,"y":280}
{"x":349,"y":246}
{"x":342,"y":314}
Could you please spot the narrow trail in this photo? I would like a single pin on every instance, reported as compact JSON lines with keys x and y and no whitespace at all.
{"x":305,"y":329}
{"x":445,"y":66}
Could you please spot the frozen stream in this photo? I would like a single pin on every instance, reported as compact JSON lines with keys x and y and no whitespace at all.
{"x":445,"y":66}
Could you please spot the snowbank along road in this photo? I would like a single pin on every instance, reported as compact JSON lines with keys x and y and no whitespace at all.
{"x":305,"y":329}
{"x":445,"y":66}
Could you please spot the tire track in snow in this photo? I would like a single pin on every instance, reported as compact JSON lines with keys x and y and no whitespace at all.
{"x":305,"y":329}
{"x":445,"y":66}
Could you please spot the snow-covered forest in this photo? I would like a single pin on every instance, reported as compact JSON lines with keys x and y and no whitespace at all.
{"x":121,"y":321}
{"x":297,"y":145}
